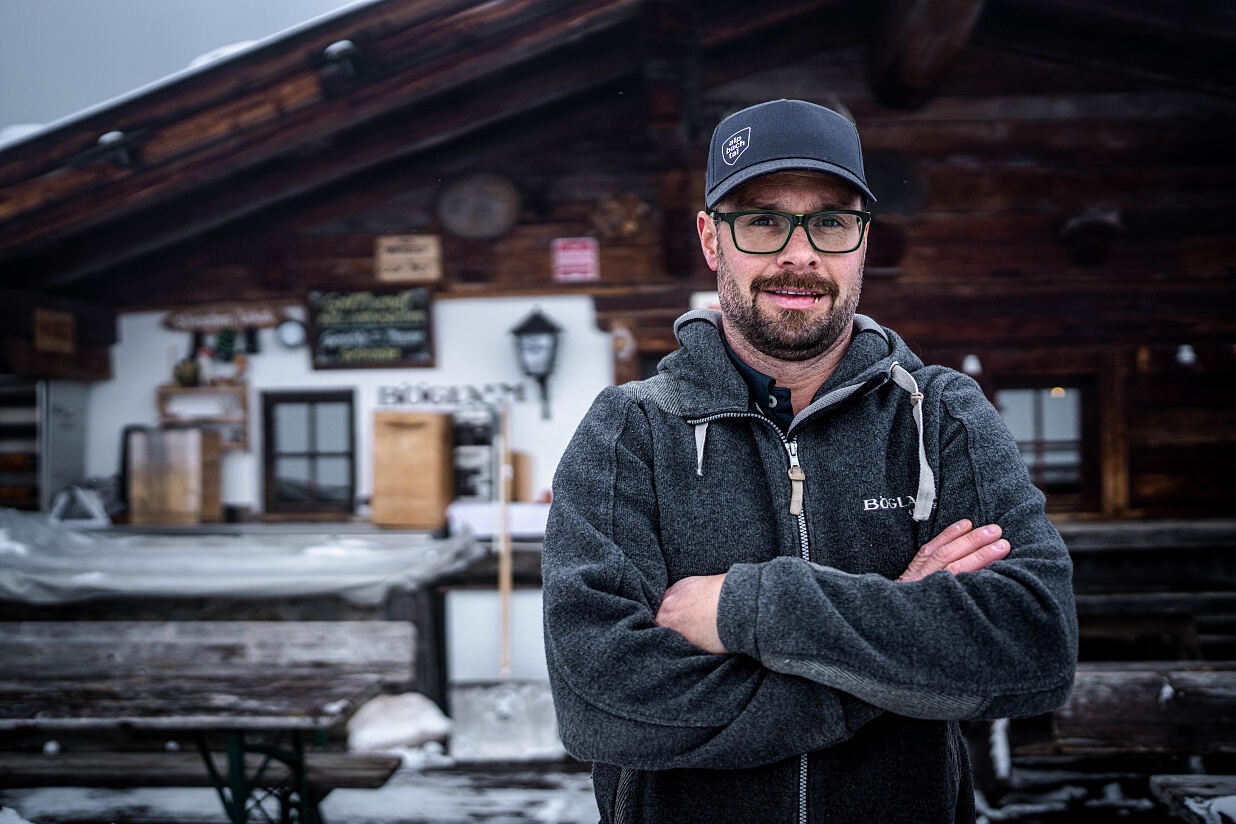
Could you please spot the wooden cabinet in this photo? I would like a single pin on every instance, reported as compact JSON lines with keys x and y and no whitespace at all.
{"x":174,"y":476}
{"x":222,"y":406}
{"x":412,"y":471}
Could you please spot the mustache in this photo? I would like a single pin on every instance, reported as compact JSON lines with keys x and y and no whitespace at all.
{"x":797,"y":282}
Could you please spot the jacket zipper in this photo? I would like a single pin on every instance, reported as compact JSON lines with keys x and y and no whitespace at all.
{"x":797,"y":476}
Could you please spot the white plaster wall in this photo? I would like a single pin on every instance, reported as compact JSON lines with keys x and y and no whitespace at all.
{"x":473,"y":624}
{"x":473,"y":347}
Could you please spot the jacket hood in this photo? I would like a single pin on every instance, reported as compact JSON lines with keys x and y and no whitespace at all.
{"x":708,"y":384}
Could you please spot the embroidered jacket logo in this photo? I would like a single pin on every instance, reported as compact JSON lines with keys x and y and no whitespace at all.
{"x":900,"y":502}
{"x":737,"y":143}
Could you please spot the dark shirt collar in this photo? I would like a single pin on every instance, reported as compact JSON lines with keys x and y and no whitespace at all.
{"x":772,"y":400}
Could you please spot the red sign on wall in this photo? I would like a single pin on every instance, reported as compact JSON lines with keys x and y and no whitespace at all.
{"x":575,"y":259}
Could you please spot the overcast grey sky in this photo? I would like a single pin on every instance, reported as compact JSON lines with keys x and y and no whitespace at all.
{"x":58,"y":57}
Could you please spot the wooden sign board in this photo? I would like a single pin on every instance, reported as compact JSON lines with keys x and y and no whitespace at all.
{"x":54,"y":331}
{"x":408,"y":258}
{"x":371,"y":330}
{"x":213,"y":318}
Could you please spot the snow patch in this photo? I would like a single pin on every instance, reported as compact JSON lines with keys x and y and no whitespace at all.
{"x":8,"y":545}
{"x":1220,"y":810}
{"x":407,"y":720}
{"x":10,"y":816}
{"x":1001,"y":756}
{"x":427,"y":756}
{"x":504,"y":721}
{"x":220,"y":53}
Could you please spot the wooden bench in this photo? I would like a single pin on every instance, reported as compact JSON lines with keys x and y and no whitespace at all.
{"x":1140,"y":708}
{"x":257,"y":686}
{"x":243,"y":650}
{"x":1197,"y":799}
{"x":119,"y":769}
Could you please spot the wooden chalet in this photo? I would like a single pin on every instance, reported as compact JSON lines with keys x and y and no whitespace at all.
{"x":1057,"y":203}
{"x":1055,"y":182}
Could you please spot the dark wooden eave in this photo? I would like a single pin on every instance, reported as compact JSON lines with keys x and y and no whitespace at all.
{"x":281,"y":121}
{"x":267,"y":127}
{"x":226,"y":143}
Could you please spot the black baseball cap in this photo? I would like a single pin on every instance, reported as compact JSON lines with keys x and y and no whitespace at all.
{"x":779,"y":136}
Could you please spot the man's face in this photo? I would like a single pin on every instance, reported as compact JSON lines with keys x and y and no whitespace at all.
{"x":794,"y":304}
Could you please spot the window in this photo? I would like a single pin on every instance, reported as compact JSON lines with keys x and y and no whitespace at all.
{"x":1052,"y":424}
{"x":310,"y":452}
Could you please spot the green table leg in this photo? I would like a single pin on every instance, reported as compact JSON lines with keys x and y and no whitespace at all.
{"x":237,"y":811}
{"x":236,"y":788}
{"x":233,"y":789}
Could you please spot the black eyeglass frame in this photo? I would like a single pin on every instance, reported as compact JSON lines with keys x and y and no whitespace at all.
{"x":796,"y":220}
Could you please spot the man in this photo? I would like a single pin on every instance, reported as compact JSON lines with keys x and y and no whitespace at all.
{"x":765,"y":598}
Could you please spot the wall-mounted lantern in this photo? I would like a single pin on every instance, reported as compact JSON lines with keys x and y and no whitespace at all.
{"x":536,"y":347}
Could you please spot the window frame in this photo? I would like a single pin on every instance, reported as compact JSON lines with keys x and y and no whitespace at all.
{"x":272,"y":504}
{"x":1088,"y":497}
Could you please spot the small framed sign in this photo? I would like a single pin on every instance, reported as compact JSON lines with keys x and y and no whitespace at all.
{"x":408,"y":258}
{"x":371,"y":330}
{"x":575,"y":259}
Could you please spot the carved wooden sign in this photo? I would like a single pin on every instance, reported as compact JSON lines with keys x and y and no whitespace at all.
{"x":54,"y":331}
{"x":408,"y":258}
{"x":216,"y":317}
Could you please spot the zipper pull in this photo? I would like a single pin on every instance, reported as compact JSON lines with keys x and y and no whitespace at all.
{"x":797,"y":476}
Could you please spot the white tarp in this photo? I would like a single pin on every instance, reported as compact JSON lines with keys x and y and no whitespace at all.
{"x":44,"y":562}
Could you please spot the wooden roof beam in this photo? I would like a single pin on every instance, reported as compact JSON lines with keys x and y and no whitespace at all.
{"x":1187,"y":44}
{"x":234,"y":134}
{"x":449,"y":118}
{"x":915,"y":45}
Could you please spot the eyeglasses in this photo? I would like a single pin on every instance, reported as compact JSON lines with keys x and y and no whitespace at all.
{"x":765,"y":232}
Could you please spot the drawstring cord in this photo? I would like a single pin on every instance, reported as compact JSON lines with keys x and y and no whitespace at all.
{"x":701,"y":433}
{"x":926,"y":496}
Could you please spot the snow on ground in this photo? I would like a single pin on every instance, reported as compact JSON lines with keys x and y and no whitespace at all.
{"x":1214,"y":810}
{"x":523,"y":794}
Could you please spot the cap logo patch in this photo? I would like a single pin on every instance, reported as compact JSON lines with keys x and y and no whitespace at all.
{"x":737,"y":143}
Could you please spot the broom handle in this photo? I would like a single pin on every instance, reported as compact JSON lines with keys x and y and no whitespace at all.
{"x":505,"y":575}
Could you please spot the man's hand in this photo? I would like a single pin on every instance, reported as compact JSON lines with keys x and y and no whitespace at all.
{"x":690,"y":607}
{"x":959,"y":548}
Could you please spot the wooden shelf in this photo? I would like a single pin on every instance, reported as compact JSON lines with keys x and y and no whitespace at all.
{"x":233,"y":428}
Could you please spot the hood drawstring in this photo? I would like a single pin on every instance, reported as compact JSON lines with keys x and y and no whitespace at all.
{"x":926,"y":497}
{"x":701,"y":433}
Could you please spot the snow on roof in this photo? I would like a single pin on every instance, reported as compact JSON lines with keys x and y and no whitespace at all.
{"x":11,"y":136}
{"x":215,"y":55}
{"x":16,"y":132}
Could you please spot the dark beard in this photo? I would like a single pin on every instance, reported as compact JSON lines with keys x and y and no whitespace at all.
{"x":792,"y":334}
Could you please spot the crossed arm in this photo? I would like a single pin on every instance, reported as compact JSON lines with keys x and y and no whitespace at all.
{"x":690,"y":605}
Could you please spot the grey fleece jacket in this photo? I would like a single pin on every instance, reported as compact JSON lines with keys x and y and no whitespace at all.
{"x":840,"y":695}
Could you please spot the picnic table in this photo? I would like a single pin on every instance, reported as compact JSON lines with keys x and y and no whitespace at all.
{"x":247,"y":692}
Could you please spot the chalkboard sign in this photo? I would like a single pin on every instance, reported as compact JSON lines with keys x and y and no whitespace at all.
{"x":371,"y":330}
